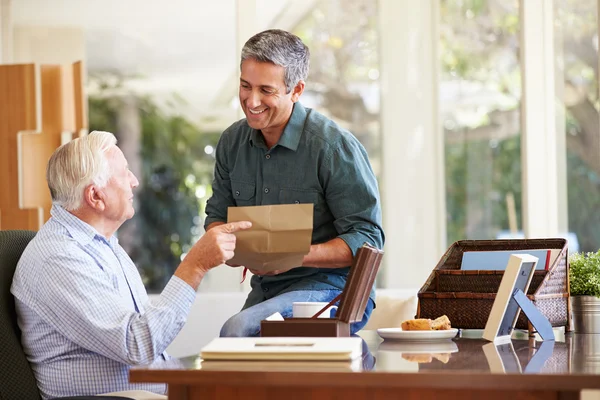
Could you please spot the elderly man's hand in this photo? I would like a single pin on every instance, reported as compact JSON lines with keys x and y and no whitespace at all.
{"x":216,"y":246}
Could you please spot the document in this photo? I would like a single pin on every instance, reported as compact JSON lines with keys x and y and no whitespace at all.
{"x":280,"y":236}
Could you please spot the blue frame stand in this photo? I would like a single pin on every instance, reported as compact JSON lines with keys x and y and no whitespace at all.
{"x":537,"y":319}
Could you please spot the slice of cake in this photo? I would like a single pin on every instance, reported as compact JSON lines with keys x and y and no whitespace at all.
{"x":441,"y":324}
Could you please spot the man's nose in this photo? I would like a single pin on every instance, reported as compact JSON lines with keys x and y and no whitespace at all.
{"x":134,"y":181}
{"x":253,"y":99}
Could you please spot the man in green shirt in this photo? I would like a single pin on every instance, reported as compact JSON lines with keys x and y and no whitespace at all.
{"x":284,"y":153}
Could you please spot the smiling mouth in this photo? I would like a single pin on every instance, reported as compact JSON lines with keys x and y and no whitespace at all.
{"x":256,"y":112}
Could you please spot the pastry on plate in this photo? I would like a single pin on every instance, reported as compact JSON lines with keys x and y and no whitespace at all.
{"x":425,"y":324}
{"x":441,"y":324}
{"x":417,"y":325}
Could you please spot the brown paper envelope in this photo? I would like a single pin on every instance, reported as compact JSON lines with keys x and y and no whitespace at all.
{"x":280,"y":236}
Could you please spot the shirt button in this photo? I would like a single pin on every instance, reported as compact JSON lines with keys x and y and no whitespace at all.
{"x":237,"y":192}
{"x":268,"y":156}
{"x":266,"y":190}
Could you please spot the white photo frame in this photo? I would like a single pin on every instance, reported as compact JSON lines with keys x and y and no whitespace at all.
{"x":505,"y":310}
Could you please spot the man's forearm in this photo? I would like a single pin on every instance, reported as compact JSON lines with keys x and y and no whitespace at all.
{"x":332,"y":254}
{"x":190,"y":275}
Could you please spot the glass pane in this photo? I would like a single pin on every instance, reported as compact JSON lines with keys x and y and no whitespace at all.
{"x":151,"y":82}
{"x":576,"y":30}
{"x":344,"y":67}
{"x":479,"y":104}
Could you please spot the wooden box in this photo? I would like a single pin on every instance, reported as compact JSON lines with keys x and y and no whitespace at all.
{"x":353,"y":301}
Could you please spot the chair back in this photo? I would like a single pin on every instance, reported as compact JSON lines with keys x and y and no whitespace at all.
{"x":16,"y":380}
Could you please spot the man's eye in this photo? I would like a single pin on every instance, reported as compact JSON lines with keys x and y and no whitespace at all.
{"x":267,"y":91}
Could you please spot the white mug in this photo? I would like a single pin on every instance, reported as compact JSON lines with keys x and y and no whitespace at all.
{"x":306,"y":309}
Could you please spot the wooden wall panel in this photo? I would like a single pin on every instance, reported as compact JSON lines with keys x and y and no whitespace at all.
{"x":18,"y":112}
{"x":60,"y":93}
{"x":81,"y":114}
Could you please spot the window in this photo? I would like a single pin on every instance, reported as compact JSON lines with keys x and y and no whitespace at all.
{"x":343,"y":81}
{"x":576,"y":50}
{"x":479,"y":105}
{"x":151,"y":82}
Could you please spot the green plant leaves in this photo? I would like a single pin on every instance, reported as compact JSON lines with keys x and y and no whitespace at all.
{"x":585,"y":274}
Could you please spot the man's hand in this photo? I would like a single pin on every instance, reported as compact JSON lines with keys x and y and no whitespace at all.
{"x":214,"y":248}
{"x":217,"y":245}
{"x":214,"y":225}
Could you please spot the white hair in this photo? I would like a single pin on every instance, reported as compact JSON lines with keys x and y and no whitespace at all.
{"x":77,"y":164}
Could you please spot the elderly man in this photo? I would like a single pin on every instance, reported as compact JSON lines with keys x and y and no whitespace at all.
{"x":82,"y":307}
{"x":285,"y":153}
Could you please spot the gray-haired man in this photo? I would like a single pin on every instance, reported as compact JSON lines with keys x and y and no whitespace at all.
{"x":284,"y":153}
{"x":82,"y":308}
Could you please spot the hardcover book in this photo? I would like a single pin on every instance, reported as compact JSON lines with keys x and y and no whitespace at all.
{"x":284,"y":348}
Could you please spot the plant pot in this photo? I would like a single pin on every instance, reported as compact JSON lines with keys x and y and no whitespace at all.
{"x":586,"y":314}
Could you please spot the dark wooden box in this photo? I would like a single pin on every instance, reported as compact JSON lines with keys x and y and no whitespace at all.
{"x":353,"y":301}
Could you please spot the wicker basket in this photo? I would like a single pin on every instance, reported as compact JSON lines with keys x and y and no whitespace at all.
{"x":466,"y":297}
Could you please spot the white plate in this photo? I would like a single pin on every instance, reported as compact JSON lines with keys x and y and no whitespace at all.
{"x":399,"y":334}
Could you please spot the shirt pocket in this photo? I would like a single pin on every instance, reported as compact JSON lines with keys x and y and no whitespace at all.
{"x":244,"y":193}
{"x":294,"y":196}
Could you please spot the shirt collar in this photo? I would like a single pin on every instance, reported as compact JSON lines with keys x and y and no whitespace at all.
{"x":292,"y":132}
{"x":81,"y":231}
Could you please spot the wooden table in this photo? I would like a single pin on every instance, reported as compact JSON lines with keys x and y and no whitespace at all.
{"x":458,"y":369}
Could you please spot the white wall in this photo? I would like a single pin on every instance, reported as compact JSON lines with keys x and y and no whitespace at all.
{"x":48,"y":45}
{"x":209,"y":313}
{"x":413,"y":188}
{"x":5,"y":31}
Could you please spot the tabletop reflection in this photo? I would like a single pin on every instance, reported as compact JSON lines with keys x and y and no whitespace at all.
{"x":568,"y":354}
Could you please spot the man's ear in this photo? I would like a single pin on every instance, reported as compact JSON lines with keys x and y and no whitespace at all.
{"x":297,"y":91}
{"x":94,"y":197}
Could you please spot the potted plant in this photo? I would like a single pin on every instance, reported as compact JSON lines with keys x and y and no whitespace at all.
{"x":584,"y":278}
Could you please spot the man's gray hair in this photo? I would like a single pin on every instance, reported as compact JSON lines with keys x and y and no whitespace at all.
{"x":280,"y":48}
{"x":77,"y":164}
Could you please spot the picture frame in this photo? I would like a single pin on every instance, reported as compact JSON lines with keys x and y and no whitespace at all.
{"x":505,"y":310}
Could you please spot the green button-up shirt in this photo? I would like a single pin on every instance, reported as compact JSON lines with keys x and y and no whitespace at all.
{"x":314,"y":161}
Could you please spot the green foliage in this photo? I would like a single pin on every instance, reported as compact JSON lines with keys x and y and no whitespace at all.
{"x":479,"y":175}
{"x":585,"y":274}
{"x":583,"y":198}
{"x":479,"y":47}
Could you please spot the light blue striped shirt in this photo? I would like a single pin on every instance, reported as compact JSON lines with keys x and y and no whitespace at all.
{"x":85,"y":314}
